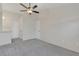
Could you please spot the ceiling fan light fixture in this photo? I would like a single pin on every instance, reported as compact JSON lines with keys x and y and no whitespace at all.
{"x":29,"y":11}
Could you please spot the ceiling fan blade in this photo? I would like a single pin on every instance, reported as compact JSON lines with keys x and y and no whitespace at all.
{"x":35,"y":6}
{"x":35,"y":11}
{"x":23,"y":10}
{"x":23,"y":5}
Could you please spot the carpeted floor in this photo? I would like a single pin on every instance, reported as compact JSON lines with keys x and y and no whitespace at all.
{"x":34,"y":47}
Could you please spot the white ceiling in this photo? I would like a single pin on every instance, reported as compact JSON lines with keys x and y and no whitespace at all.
{"x":15,"y":7}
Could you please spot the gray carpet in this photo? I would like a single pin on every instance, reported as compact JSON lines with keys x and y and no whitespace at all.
{"x":34,"y":47}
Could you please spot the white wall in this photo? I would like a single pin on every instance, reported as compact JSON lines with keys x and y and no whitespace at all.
{"x":37,"y":29}
{"x":29,"y":26}
{"x":0,"y":17}
{"x":60,"y":25}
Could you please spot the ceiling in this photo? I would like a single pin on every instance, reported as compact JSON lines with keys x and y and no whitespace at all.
{"x":15,"y":7}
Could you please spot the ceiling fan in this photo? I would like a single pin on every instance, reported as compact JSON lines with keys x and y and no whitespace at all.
{"x":29,"y":9}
